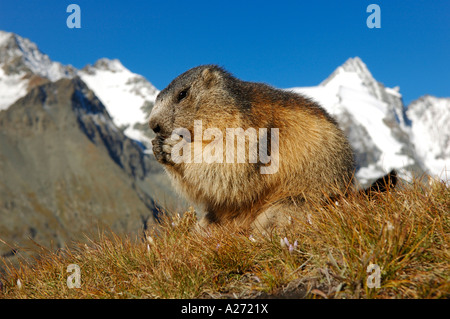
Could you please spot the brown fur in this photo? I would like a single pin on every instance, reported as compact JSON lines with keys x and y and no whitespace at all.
{"x":316,"y":160}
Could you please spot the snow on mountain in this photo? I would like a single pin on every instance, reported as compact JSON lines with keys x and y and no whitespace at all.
{"x":127,"y":96}
{"x":371,"y":115}
{"x":21,"y":65}
{"x":12,"y":87}
{"x":430,"y":133}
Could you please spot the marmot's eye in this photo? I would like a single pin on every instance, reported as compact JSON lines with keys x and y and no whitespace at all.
{"x":182,"y":94}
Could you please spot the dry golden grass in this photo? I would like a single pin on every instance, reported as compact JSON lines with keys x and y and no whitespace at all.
{"x":324,"y":253}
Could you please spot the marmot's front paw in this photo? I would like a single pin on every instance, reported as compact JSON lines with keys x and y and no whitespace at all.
{"x":162,"y":148}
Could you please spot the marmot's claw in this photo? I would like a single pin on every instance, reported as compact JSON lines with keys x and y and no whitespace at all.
{"x":162,"y":149}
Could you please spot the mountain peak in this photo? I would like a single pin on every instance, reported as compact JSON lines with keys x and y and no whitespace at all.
{"x":9,"y":47}
{"x":113,"y":65}
{"x":352,"y":65}
{"x":105,"y":64}
{"x":4,"y":37}
{"x":355,"y":75}
{"x":18,"y":55}
{"x":372,"y":116}
{"x":355,"y":65}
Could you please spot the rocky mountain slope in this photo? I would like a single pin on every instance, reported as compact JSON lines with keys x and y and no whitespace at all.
{"x":65,"y":166}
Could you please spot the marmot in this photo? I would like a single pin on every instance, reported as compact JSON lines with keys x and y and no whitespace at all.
{"x":315,"y":159}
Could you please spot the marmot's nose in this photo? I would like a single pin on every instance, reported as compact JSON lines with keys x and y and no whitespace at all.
{"x":156,"y":128}
{"x":159,"y":120}
{"x":154,"y":125}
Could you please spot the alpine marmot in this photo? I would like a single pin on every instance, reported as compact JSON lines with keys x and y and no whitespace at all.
{"x":299,"y":153}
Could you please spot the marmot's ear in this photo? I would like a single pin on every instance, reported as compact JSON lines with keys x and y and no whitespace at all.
{"x":210,"y":77}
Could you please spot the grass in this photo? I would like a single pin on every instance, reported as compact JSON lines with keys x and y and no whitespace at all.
{"x":323,"y":253}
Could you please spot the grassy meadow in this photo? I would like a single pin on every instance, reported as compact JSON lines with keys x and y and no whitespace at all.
{"x":323,"y":253}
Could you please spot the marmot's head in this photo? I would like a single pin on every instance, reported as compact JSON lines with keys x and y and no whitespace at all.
{"x":198,"y":94}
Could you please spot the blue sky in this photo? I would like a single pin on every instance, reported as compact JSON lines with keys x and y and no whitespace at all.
{"x":283,"y":43}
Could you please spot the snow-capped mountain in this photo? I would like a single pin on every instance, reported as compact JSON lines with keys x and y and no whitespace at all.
{"x":19,"y":55}
{"x":129,"y":97}
{"x":22,"y":66}
{"x":372,"y":116}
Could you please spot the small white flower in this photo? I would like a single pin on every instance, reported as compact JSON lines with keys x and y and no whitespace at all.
{"x":19,"y":284}
{"x":308,"y":216}
{"x":389,"y":226}
{"x":252,"y":238}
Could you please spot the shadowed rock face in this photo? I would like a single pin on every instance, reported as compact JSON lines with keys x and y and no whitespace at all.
{"x":65,"y":168}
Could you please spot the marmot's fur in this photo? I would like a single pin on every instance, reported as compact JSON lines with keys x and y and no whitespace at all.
{"x":315,"y":158}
